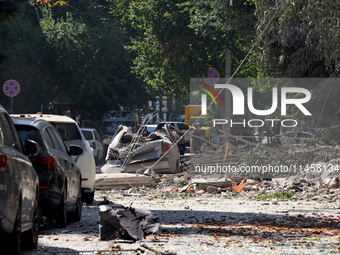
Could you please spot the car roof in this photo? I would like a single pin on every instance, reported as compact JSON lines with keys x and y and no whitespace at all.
{"x":88,"y":129}
{"x":47,"y":117}
{"x":2,"y":109}
{"x":172,"y":122}
{"x":29,"y":121}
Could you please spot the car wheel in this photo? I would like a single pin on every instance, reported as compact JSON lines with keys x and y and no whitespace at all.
{"x":88,"y":197}
{"x":96,"y":160}
{"x":61,"y":215}
{"x":102,"y":158}
{"x":15,"y":237}
{"x":30,"y":237}
{"x":76,"y":215}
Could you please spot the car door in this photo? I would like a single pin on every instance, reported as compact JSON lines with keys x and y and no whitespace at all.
{"x":73,"y":173}
{"x":63,"y":159}
{"x":22,"y":169}
{"x":99,"y":144}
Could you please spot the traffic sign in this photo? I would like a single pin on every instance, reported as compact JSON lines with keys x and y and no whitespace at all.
{"x":11,"y":88}
{"x":212,"y":76}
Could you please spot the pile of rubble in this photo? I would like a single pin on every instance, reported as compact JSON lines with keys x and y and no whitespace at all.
{"x":276,"y":189}
{"x":305,"y":170}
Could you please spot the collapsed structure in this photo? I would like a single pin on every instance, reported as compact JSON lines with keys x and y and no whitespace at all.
{"x":132,"y":152}
{"x":130,"y":155}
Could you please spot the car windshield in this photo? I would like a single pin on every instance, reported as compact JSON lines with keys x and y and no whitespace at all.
{"x":29,"y":133}
{"x":87,"y":134}
{"x":161,"y":125}
{"x":97,"y":135}
{"x":68,"y":131}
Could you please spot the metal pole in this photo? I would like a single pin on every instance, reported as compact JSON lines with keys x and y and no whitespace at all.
{"x":227,"y":93}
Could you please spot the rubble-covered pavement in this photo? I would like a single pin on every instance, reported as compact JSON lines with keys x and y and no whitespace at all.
{"x":197,"y":223}
{"x":220,"y":213}
{"x":276,"y":218}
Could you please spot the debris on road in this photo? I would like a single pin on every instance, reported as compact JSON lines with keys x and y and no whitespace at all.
{"x":118,"y":221}
{"x":313,"y":168}
{"x":123,"y":181}
{"x":224,"y":211}
{"x":134,"y":152}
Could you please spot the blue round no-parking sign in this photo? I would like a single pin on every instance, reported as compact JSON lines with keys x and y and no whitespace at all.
{"x":212,"y":76}
{"x":11,"y":88}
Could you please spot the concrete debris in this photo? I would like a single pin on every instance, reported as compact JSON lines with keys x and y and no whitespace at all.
{"x":262,"y":191}
{"x":314,"y":170}
{"x":131,"y":152}
{"x":149,"y":172}
{"x":118,"y":221}
{"x":334,"y":183}
{"x":275,"y":201}
{"x":212,"y":189}
{"x":123,"y":181}
{"x":220,"y":183}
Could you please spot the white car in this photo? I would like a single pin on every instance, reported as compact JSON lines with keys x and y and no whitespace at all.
{"x":93,"y":137}
{"x":72,"y":135}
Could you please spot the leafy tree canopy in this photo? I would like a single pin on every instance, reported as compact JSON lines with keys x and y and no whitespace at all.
{"x":78,"y":47}
{"x":304,"y":38}
{"x":178,"y":40}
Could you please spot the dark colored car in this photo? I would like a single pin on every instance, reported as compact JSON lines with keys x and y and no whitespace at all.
{"x":71,"y":135}
{"x":19,"y":190}
{"x":59,"y":177}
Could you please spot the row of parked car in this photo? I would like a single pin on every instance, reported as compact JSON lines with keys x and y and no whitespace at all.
{"x":46,"y":168}
{"x":96,"y":143}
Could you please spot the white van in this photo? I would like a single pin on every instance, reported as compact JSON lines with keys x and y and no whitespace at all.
{"x":72,"y":135}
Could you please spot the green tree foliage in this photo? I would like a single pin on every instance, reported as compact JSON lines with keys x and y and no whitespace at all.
{"x":226,"y":24}
{"x":303,"y":41}
{"x":304,"y":38}
{"x":27,"y":61}
{"x":166,"y":47}
{"x":80,"y":49}
{"x":178,"y":40}
{"x":89,"y":50}
{"x":8,"y":10}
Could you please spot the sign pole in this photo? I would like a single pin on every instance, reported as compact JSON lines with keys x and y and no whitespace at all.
{"x":11,"y":88}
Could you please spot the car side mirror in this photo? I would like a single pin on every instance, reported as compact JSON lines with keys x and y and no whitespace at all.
{"x":75,"y":150}
{"x":32,"y":148}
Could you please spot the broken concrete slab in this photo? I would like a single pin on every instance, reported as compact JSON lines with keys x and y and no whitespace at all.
{"x":205,"y":183}
{"x":118,"y":221}
{"x":110,"y":181}
{"x":213,"y":189}
{"x":334,"y":183}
